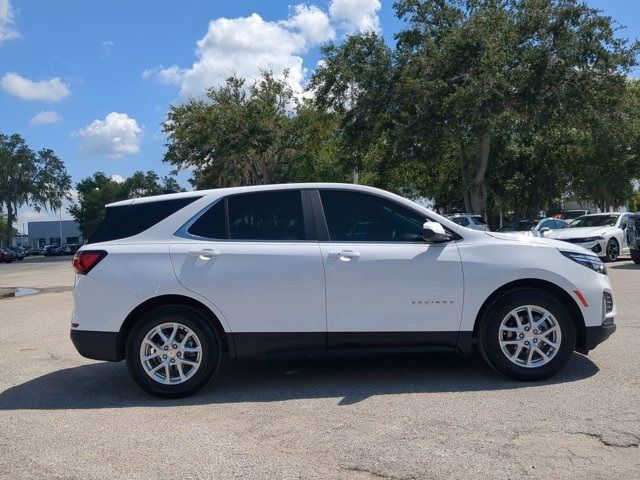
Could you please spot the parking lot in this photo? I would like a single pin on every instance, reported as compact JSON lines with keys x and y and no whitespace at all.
{"x":434,"y":415}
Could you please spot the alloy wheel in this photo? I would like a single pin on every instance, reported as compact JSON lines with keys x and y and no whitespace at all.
{"x":171,"y":353}
{"x":529,"y":336}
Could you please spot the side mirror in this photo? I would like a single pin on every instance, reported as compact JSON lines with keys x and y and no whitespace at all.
{"x":544,"y":230}
{"x":623,"y":226}
{"x":433,"y":232}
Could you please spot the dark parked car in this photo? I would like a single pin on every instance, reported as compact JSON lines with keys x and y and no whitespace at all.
{"x":6,"y":256}
{"x":34,"y":251}
{"x":633,"y":236}
{"x":52,"y":250}
{"x":18,"y":251}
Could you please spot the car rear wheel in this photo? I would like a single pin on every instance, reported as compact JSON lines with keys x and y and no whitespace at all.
{"x":527,"y":335}
{"x":635,"y":255}
{"x":173,"y":352}
{"x":612,"y":250}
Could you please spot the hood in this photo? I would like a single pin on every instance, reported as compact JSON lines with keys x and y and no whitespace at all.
{"x":578,"y":232}
{"x":539,"y":241}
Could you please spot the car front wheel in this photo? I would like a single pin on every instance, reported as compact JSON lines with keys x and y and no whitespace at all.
{"x":527,"y":335}
{"x":173,"y":352}
{"x":612,"y":250}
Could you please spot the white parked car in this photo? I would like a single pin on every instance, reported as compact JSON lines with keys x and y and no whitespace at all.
{"x":174,"y":282}
{"x":470,"y":220}
{"x":537,"y":228}
{"x":602,"y":233}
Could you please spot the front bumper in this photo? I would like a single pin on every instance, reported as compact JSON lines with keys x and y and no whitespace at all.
{"x":596,"y":246}
{"x":97,"y":345}
{"x":594,"y":336}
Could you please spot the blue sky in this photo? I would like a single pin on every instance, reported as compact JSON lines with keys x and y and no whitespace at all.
{"x":94,"y":80}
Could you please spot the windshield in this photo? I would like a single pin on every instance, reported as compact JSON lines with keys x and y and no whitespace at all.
{"x":595,"y":221}
{"x":521,"y":226}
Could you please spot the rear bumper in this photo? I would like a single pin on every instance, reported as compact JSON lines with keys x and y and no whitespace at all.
{"x":97,"y":345}
{"x":596,"y":335}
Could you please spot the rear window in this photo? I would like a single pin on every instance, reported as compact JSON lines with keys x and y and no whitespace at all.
{"x":129,"y":220}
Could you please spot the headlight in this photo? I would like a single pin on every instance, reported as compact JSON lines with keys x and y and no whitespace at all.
{"x":592,"y":239}
{"x":586,"y":260}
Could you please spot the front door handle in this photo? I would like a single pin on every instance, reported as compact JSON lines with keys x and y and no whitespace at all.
{"x":206,"y":254}
{"x":345,"y":255}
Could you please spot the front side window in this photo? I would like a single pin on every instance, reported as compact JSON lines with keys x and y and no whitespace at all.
{"x":359,"y":217}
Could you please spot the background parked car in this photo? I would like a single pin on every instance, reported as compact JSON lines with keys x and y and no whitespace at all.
{"x":5,"y":256}
{"x":52,"y":250}
{"x":602,"y":233}
{"x":34,"y":251}
{"x":571,"y":214}
{"x":469,"y":220}
{"x":535,"y":227}
{"x":18,"y":251}
{"x":633,"y":237}
{"x":70,"y":248}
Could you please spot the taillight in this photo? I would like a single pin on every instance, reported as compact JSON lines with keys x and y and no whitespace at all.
{"x":85,"y":260}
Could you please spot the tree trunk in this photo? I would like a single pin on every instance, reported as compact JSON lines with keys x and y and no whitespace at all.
{"x":465,"y":179}
{"x":478,"y":188}
{"x":10,"y":219}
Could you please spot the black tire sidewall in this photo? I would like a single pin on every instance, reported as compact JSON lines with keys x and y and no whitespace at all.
{"x":488,"y":334}
{"x":210,"y":343}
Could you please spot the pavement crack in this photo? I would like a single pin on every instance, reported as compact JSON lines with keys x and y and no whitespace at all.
{"x":613,"y":439}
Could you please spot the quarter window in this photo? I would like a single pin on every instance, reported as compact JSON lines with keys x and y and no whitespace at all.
{"x":359,"y":217}
{"x":212,"y":223}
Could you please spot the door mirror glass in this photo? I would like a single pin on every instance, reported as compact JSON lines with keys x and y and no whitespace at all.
{"x":544,"y":229}
{"x":433,"y":232}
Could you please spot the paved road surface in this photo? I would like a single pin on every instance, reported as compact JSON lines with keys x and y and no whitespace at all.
{"x":364,"y":417}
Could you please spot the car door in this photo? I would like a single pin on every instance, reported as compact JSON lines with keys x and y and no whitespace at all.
{"x":622,"y":223}
{"x":254,"y":256}
{"x":385,"y":285}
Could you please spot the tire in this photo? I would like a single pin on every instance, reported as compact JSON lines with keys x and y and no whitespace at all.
{"x":635,"y":255}
{"x":612,"y":250}
{"x":202,"y":336}
{"x":490,"y":334}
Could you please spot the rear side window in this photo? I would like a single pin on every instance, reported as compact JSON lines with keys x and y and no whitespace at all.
{"x":479,"y":220}
{"x":254,"y":216}
{"x":359,"y":217}
{"x":266,"y":216}
{"x":461,"y":221}
{"x":129,"y":220}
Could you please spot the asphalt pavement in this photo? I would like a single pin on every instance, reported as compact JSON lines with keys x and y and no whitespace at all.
{"x":411,"y":416}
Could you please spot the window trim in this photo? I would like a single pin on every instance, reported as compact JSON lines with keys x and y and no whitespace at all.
{"x":307,"y":216}
{"x":323,"y":228}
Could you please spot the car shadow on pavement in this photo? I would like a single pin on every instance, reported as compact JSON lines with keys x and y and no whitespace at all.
{"x":625,"y":266}
{"x":349,"y":378}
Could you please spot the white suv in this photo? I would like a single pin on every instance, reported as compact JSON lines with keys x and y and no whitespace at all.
{"x":173,"y":282}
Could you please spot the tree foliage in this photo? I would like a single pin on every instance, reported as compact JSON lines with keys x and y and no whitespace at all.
{"x":99,"y":190}
{"x":491,"y":106}
{"x":38,"y":179}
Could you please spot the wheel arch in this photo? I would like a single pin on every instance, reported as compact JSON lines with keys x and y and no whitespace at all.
{"x":176,"y":300}
{"x":543,"y":285}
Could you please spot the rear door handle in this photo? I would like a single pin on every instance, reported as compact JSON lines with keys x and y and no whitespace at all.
{"x":345,"y":255}
{"x":206,"y":254}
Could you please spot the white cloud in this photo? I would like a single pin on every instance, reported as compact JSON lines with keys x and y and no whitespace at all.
{"x":116,"y":136}
{"x":53,"y":90}
{"x":46,"y":117}
{"x":312,"y":23}
{"x":7,"y":30}
{"x":247,"y":46}
{"x":106,"y":47}
{"x":356,"y":15}
{"x":117,"y":178}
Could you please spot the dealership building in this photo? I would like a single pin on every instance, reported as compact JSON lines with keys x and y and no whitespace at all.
{"x":53,"y":231}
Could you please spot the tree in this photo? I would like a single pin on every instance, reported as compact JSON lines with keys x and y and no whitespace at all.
{"x":38,"y":179}
{"x":237,"y":135}
{"x":99,"y":190}
{"x":477,"y":73}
